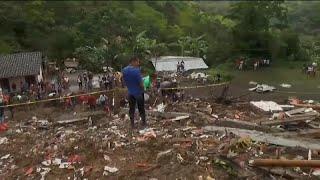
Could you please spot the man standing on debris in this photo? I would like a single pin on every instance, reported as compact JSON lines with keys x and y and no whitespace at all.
{"x":133,"y":80}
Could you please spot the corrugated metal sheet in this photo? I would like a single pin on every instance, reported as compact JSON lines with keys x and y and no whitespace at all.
{"x":20,"y":64}
{"x":169,"y":63}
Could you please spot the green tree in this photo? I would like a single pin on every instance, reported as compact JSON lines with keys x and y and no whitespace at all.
{"x":254,"y":20}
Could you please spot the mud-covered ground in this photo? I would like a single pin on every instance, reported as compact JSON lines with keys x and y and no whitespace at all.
{"x":169,"y":150}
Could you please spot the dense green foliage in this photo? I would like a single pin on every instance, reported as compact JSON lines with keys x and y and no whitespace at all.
{"x":109,"y":32}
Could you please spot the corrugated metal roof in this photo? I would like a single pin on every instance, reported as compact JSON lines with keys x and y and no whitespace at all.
{"x":169,"y":63}
{"x":20,"y":64}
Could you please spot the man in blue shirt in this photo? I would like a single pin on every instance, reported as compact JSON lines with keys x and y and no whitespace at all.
{"x":133,"y":80}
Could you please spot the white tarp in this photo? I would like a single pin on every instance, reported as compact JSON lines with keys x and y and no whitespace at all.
{"x":267,"y":106}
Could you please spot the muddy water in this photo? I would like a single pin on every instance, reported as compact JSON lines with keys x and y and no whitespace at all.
{"x":302,"y":86}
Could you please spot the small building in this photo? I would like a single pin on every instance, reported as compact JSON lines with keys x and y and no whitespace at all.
{"x":169,"y":63}
{"x":20,"y":68}
{"x":71,"y":63}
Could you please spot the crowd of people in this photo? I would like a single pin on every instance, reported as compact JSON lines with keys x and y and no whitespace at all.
{"x":241,"y":63}
{"x":131,"y":77}
{"x":107,"y":81}
{"x":180,"y":67}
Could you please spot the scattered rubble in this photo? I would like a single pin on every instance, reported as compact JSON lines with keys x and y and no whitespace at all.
{"x":197,"y":139}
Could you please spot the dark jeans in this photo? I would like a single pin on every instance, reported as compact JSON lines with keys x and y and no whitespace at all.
{"x":133,"y":100}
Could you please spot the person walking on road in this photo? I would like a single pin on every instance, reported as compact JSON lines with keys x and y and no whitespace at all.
{"x":133,"y":80}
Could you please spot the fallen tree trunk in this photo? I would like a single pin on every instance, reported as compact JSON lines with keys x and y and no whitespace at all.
{"x":266,"y":137}
{"x":285,"y":163}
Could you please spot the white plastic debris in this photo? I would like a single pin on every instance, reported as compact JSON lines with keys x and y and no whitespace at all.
{"x":46,"y":163}
{"x":262,"y":88}
{"x":215,"y":116}
{"x":51,"y":94}
{"x":5,"y":156}
{"x":286,"y":85}
{"x":161,"y":107}
{"x":203,"y":158}
{"x":44,"y":172}
{"x":18,"y":131}
{"x":111,"y":169}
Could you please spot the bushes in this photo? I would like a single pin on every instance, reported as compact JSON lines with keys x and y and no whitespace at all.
{"x":223,"y":70}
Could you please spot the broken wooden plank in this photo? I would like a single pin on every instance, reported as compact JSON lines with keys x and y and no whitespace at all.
{"x":311,"y":113}
{"x":295,"y":111}
{"x":307,"y":132}
{"x":266,"y":137}
{"x":286,"y":173}
{"x":179,"y":118}
{"x":70,"y":121}
{"x":180,"y":140}
{"x":167,"y":115}
{"x":244,"y":125}
{"x":285,"y":163}
{"x":287,"y":121}
{"x":314,"y":125}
